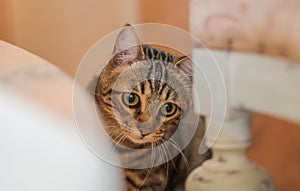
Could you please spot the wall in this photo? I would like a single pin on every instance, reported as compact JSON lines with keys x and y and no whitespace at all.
{"x":61,"y":31}
{"x":172,"y":12}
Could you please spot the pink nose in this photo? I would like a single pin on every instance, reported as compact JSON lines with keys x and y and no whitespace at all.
{"x":146,"y":128}
{"x":145,"y":131}
{"x":143,"y":117}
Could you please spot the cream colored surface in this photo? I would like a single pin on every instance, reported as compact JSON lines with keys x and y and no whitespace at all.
{"x":40,"y":145}
{"x":265,"y":27}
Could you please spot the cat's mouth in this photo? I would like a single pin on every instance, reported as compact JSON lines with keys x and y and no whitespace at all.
{"x":150,"y":137}
{"x":140,"y":137}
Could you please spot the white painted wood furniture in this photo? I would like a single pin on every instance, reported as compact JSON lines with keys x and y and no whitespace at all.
{"x":252,"y":83}
{"x":41,"y":149}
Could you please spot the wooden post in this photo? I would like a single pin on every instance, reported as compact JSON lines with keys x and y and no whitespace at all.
{"x":230,"y":169}
{"x":229,"y":86}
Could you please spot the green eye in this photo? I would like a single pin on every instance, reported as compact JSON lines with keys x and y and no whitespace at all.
{"x":131,"y":99}
{"x":168,"y":109}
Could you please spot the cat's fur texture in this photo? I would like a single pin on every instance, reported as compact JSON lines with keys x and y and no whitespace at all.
{"x":122,"y":115}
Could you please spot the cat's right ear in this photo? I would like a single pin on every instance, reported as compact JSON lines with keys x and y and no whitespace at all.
{"x":128,"y":46}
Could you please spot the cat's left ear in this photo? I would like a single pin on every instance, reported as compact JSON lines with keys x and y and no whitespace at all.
{"x":128,"y":46}
{"x":185,"y":64}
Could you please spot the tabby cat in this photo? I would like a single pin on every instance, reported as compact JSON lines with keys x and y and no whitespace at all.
{"x":141,"y":108}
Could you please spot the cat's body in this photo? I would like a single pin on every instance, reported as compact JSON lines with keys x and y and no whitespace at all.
{"x":142,"y":98}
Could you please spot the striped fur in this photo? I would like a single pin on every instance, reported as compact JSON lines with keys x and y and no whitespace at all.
{"x":142,"y":125}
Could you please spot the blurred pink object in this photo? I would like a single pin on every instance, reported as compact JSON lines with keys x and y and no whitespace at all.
{"x":268,"y":26}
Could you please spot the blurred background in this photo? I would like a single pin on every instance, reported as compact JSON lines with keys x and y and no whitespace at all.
{"x":61,"y":31}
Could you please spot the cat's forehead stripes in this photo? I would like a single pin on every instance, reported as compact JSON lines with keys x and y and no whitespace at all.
{"x":163,"y":91}
{"x":157,"y":75}
{"x":142,"y":87}
{"x":154,"y":54}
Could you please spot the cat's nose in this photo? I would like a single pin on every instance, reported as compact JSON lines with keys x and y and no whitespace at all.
{"x":145,"y":132}
{"x":146,"y":128}
{"x":142,"y":118}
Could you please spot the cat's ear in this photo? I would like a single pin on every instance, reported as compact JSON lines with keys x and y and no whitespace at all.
{"x":185,"y":64}
{"x":128,"y":46}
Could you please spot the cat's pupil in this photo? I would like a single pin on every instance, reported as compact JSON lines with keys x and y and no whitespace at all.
{"x":131,"y":98}
{"x":168,"y":107}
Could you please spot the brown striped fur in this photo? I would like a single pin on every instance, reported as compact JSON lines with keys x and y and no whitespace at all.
{"x":132,"y":58}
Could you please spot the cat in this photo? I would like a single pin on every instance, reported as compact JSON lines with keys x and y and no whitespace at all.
{"x":139,"y":110}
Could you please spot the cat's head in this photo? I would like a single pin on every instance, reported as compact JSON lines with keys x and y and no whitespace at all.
{"x":142,"y":92}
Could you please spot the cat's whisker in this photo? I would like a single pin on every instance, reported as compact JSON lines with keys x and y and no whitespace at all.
{"x":115,"y":138}
{"x":186,"y":163}
{"x":149,"y":170}
{"x":168,"y":151}
{"x":165,"y":156}
{"x":121,"y":138}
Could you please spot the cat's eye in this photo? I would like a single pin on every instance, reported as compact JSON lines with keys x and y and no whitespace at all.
{"x":131,"y":99}
{"x":168,"y":109}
